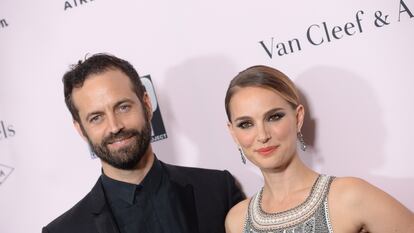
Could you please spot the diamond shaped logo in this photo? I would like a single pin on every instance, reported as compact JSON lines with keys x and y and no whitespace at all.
{"x":5,"y":172}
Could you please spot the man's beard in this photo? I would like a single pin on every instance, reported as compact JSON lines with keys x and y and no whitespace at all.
{"x":128,"y":157}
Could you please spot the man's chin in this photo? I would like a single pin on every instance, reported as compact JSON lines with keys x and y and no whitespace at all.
{"x":122,"y":164}
{"x":124,"y":160}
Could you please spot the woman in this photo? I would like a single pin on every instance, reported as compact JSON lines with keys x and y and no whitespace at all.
{"x":265,"y":120}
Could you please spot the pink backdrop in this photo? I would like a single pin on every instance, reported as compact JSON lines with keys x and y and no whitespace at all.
{"x":357,"y":89}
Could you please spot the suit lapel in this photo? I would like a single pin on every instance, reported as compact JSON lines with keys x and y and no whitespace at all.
{"x":105,"y":223}
{"x":102,"y":215}
{"x":185,"y":204}
{"x":182,"y":200}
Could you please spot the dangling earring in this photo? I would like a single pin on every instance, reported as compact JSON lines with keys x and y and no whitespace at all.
{"x":302,"y":141}
{"x":243,"y":156}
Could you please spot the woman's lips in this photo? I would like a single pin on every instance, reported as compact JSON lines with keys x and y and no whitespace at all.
{"x":266,"y":150}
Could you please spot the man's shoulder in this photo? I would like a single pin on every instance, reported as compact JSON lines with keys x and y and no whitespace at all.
{"x":77,"y":215}
{"x":194,"y":172}
{"x":200,"y":177}
{"x":72,"y":213}
{"x":209,"y":185}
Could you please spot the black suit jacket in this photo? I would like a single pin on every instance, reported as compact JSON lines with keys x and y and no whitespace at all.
{"x":201,"y":198}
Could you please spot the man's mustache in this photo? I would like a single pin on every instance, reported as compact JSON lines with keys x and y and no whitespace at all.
{"x":111,"y":138}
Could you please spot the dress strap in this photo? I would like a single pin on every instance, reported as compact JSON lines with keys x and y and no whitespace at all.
{"x":261,"y":221}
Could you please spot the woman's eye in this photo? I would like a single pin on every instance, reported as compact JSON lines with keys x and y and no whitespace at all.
{"x":244,"y":125}
{"x":276,"y":116}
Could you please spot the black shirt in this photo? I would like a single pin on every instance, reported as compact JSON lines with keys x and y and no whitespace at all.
{"x":133,"y":205}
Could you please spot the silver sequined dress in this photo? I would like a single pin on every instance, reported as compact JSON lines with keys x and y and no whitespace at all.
{"x":311,"y":216}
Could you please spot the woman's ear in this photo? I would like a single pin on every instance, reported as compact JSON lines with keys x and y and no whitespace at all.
{"x":300,"y":116}
{"x":230,"y":127}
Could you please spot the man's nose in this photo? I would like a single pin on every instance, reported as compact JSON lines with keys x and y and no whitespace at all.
{"x":115,"y":124}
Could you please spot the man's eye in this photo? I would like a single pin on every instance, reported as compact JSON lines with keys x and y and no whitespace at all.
{"x":276,"y":116}
{"x":95,"y":119}
{"x":245,"y":125}
{"x":124,"y":108}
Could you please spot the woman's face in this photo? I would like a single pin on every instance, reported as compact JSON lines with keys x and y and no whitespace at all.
{"x":265,"y":126}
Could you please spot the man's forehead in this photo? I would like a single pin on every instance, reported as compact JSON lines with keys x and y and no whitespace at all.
{"x":104,"y":88}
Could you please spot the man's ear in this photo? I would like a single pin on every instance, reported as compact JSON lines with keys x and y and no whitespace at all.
{"x":78,"y":128}
{"x":147,"y":105}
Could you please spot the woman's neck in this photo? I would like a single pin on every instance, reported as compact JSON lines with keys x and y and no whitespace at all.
{"x":287,"y":188}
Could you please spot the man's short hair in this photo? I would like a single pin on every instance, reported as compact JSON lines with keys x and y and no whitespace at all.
{"x":97,"y":64}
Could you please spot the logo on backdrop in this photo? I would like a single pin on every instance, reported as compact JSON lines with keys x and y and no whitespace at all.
{"x":5,"y":172}
{"x":323,"y":33}
{"x":3,"y":23}
{"x":158,"y":129}
{"x":6,"y":130}
{"x":75,"y":3}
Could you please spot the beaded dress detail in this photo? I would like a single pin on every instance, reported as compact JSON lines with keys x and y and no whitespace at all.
{"x":309,"y":217}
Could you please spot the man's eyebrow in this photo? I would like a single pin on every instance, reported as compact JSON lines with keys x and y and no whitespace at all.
{"x":92,"y":113}
{"x":124,"y":100}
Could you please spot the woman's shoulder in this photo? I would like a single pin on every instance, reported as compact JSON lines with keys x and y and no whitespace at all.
{"x":358,"y":201}
{"x":352,"y":191}
{"x":236,"y":216}
{"x":347,"y":182}
{"x":358,"y":192}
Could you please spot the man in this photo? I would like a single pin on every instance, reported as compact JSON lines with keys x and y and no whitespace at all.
{"x":136,"y":192}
